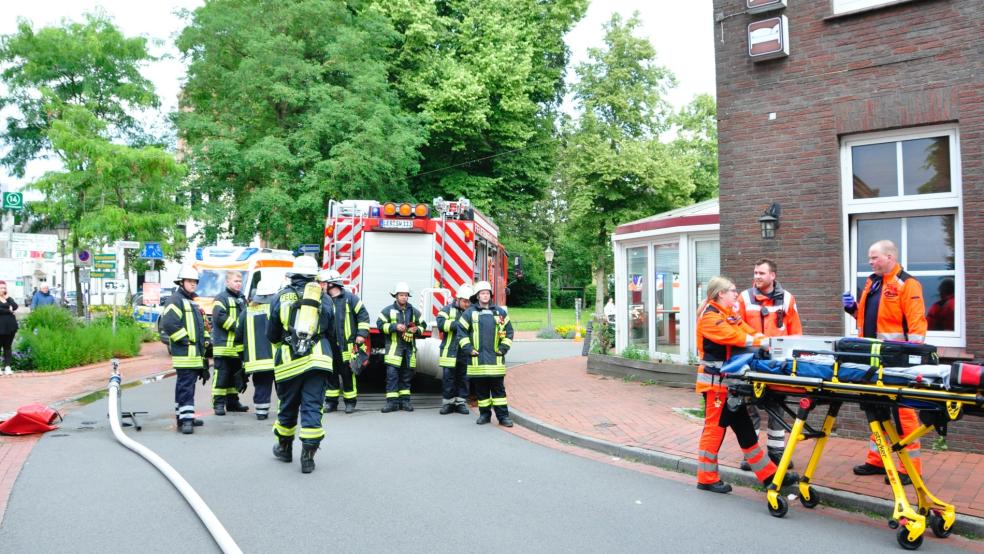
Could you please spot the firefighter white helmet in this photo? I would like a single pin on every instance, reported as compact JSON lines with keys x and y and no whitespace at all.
{"x":479,"y":287}
{"x":400,"y":287}
{"x":305,"y":265}
{"x":268,"y":285}
{"x":186,"y":272}
{"x":330,"y":276}
{"x":465,"y":291}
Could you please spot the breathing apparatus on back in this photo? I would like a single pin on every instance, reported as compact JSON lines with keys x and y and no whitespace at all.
{"x":302,"y":332}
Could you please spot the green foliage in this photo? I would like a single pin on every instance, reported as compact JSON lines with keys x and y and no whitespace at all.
{"x":633,"y":353}
{"x":535,"y":318}
{"x":53,"y":342}
{"x":547,"y":334}
{"x":286,"y":106}
{"x":939,"y":444}
{"x":602,"y":338}
{"x":697,"y":142}
{"x":569,"y":331}
{"x":88,"y":64}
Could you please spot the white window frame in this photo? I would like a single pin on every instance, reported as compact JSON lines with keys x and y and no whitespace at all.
{"x":843,"y":7}
{"x":949,"y":203}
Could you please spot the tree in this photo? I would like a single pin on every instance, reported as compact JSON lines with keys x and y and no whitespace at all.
{"x":108,"y":192}
{"x":614,"y":167}
{"x":90,"y":64}
{"x":288,"y":105}
{"x":697,"y":138}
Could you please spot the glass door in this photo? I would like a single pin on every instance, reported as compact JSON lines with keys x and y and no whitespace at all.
{"x":668,"y":296}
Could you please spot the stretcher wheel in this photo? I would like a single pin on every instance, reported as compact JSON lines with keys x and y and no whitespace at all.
{"x":936,"y":524}
{"x":813,"y":501}
{"x":904,"y":542}
{"x":781,"y":510}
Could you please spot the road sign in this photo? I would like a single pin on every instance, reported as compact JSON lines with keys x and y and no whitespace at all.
{"x":85,"y":275}
{"x":114,"y":285}
{"x":13,"y":201}
{"x":128,"y":244}
{"x":96,"y":274}
{"x":83,"y":257}
{"x":152,"y":251}
{"x":104,"y":262}
{"x":151,"y":294}
{"x":152,"y":276}
{"x":309,"y":249}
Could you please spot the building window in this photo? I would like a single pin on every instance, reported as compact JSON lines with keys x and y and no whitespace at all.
{"x":905,"y":187}
{"x":840,"y":7}
{"x":638,"y":298}
{"x":667,"y":261}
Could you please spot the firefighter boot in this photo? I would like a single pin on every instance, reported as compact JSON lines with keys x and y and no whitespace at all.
{"x":461,"y":408}
{"x":446,"y":409}
{"x":502,"y":414}
{"x":331,"y":406}
{"x":405,"y":404}
{"x":233,"y":405}
{"x":187,"y":426}
{"x":307,"y":457}
{"x":391,"y":406}
{"x":219,"y":404}
{"x":350,"y":407}
{"x":484,"y":416}
{"x":284,"y":450}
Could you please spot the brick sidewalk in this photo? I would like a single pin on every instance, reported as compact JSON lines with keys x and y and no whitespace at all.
{"x":54,"y":387}
{"x":561,"y":393}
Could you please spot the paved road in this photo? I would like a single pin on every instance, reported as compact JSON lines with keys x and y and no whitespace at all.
{"x":407,"y":482}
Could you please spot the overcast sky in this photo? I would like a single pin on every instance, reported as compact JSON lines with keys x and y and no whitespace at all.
{"x":681,"y":31}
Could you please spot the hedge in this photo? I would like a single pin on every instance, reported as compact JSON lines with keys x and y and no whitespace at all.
{"x":52,"y":339}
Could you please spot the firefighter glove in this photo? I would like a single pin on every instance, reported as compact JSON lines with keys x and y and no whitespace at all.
{"x":849,"y":301}
{"x":205,"y":375}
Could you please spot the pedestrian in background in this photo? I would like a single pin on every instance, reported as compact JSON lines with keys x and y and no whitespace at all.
{"x":8,"y":327}
{"x":42,"y":297}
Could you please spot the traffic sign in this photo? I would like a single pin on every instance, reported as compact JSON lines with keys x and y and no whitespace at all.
{"x":117,"y":285}
{"x":13,"y":201}
{"x":104,"y":262}
{"x":152,"y":251}
{"x":85,"y":275}
{"x":309,"y":248}
{"x":128,"y":244}
{"x":83,"y":257}
{"x":103,"y":274}
{"x":151,"y":294}
{"x":104,"y":257}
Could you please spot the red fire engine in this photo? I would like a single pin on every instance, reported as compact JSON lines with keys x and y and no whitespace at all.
{"x":435,"y":250}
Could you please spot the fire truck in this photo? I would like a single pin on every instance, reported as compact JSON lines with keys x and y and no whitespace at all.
{"x":435,"y":249}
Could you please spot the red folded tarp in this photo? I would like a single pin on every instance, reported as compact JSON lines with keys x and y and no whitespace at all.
{"x":30,"y":419}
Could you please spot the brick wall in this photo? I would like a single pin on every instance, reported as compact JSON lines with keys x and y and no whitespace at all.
{"x":908,"y":65}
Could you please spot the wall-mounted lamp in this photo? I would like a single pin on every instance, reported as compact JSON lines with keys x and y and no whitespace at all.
{"x":770,"y":221}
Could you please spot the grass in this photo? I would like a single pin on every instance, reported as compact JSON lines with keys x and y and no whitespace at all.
{"x":534,"y":319}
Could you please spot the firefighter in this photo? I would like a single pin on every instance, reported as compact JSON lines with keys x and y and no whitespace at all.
{"x":771,"y":310}
{"x":257,"y":354}
{"x":485,"y":336}
{"x":183,"y":323}
{"x":229,"y":377}
{"x":891,"y":307}
{"x":455,"y":363}
{"x":351,"y":330}
{"x":301,"y":331}
{"x":401,"y":324}
{"x":720,"y":333}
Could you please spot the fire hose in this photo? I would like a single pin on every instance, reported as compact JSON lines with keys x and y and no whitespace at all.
{"x":222,"y":537}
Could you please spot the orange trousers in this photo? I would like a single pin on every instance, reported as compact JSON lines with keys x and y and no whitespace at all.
{"x":910,"y":422}
{"x":717,"y":418}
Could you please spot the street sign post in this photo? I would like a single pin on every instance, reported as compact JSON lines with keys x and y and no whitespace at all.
{"x":152,"y":251}
{"x":128,"y":244}
{"x":13,"y":201}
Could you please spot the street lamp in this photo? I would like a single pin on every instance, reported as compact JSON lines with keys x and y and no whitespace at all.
{"x":548,"y":255}
{"x":62,"y":230}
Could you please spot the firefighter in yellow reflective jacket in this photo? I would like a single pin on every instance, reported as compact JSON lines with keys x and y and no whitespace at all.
{"x":485,"y":334}
{"x":184,"y":325}
{"x":300,"y":330}
{"x":251,"y":332}
{"x":400,"y":324}
{"x":351,"y":330}
{"x":455,"y":363}
{"x":229,"y":378}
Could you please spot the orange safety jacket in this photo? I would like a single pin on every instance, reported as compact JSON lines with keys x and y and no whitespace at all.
{"x":762,"y":311}
{"x":901,"y":310}
{"x":719,"y":330}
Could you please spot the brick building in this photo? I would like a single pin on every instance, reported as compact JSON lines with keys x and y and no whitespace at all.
{"x":863,"y":120}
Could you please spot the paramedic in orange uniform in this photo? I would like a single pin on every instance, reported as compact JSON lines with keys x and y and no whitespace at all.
{"x":891,"y":307}
{"x":721,"y":332}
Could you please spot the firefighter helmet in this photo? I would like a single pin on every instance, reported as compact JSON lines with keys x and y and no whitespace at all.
{"x":402,"y":286}
{"x":267,"y":286}
{"x":479,"y":287}
{"x":187,"y":272}
{"x":305,"y":265}
{"x":465,"y":291}
{"x":330,"y":276}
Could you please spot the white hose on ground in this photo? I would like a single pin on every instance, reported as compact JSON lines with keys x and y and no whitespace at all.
{"x":222,"y":537}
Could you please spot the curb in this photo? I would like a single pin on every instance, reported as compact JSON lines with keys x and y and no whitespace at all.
{"x":965,"y":524}
{"x":153,"y":377}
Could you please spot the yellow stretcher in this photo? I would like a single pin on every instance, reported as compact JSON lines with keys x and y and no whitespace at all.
{"x":936,"y":405}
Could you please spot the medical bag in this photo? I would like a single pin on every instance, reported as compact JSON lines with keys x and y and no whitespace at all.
{"x":963,"y":374}
{"x":890,"y":353}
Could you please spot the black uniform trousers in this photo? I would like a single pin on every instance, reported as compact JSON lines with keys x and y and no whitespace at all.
{"x":302,"y":396}
{"x":491,"y":393}
{"x":454,"y":383}
{"x":342,"y":381}
{"x":184,"y":393}
{"x":775,"y":432}
{"x":228,"y":378}
{"x":262,"y":390}
{"x":398,"y":379}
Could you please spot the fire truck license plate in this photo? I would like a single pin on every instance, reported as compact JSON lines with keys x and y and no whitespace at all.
{"x":396,"y":224}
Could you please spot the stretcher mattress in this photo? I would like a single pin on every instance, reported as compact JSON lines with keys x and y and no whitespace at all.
{"x":824,"y":367}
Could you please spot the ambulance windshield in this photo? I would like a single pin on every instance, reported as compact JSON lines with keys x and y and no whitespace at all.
{"x":212,"y":281}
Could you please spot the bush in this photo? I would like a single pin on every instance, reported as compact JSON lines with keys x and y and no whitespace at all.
{"x":61,"y":343}
{"x":547,"y":334}
{"x":568,"y":331}
{"x":49,"y":317}
{"x":633,"y":353}
{"x":602,"y":338}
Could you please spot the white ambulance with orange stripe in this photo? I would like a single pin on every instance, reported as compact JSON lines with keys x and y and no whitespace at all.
{"x":214,"y":262}
{"x":435,"y":249}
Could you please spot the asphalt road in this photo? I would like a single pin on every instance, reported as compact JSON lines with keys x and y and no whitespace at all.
{"x":401,"y":482}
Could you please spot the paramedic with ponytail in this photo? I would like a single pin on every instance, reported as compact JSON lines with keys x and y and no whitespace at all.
{"x":721,"y":333}
{"x":891,"y":307}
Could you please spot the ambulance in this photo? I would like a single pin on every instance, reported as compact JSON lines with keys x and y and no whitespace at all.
{"x":214,"y":263}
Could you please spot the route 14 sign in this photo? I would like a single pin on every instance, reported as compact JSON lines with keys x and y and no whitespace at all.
{"x":13,"y":201}
{"x":768,"y":39}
